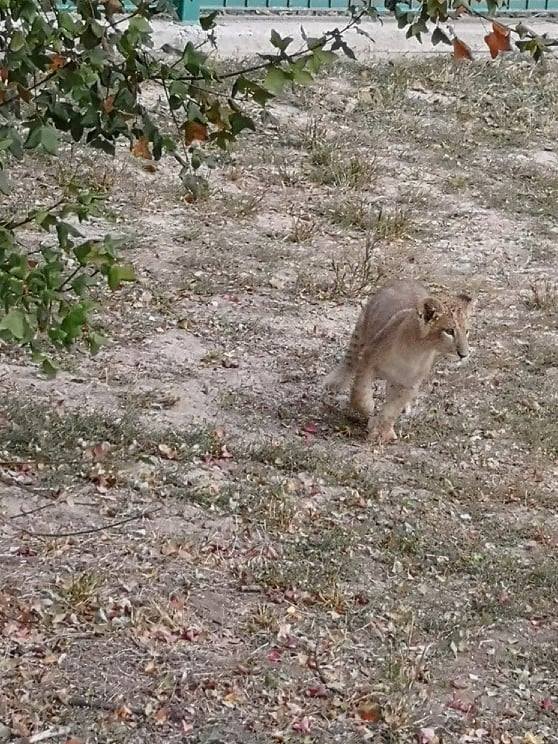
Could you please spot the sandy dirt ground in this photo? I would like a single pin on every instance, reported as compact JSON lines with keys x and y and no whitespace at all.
{"x":280,"y":580}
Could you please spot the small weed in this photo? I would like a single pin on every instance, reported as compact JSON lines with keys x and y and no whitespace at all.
{"x":353,"y":212}
{"x":383,"y":225}
{"x":314,"y":135}
{"x":289,"y":175}
{"x":458,"y":181}
{"x":96,"y":178}
{"x":543,"y":296}
{"x":79,"y":590}
{"x":391,"y":225}
{"x":241,"y":205}
{"x":262,"y":618}
{"x":353,"y":278}
{"x":303,"y":229}
{"x":332,"y":169}
{"x":333,"y":598}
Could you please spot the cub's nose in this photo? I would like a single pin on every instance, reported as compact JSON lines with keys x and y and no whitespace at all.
{"x":462,"y":354}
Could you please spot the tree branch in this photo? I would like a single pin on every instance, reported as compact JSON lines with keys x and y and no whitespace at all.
{"x":91,"y":530}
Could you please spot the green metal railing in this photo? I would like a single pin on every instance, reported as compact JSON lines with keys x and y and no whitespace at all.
{"x":510,"y":5}
{"x":189,"y":10}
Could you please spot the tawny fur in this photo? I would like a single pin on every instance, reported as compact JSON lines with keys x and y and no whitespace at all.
{"x":398,"y":336}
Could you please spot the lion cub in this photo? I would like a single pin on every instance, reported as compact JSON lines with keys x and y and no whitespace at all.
{"x":399,"y":334}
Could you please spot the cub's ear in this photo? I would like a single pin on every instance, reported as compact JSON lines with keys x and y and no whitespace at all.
{"x":467,"y":302}
{"x":429,"y":310}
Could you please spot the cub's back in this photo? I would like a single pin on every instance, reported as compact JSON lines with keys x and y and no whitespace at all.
{"x":391,"y":300}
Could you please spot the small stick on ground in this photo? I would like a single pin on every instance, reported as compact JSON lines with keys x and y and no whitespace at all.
{"x":49,"y":734}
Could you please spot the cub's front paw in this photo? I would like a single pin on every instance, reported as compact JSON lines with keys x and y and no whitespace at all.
{"x":382,"y":434}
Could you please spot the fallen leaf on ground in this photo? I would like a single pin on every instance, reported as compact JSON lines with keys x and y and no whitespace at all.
{"x":427,"y":736}
{"x":370,"y":711}
{"x":167,"y":452}
{"x":140,"y":149}
{"x":302,"y":725}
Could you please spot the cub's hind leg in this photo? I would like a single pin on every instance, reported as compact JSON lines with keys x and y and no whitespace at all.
{"x":340,"y":378}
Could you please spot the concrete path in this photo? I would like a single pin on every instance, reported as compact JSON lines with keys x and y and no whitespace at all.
{"x":242,"y":36}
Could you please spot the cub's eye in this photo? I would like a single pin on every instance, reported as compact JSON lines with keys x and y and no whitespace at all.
{"x":449,"y":331}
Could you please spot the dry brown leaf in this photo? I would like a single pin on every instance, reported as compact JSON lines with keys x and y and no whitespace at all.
{"x":57,"y":62}
{"x":194,"y":132}
{"x":24,"y":94}
{"x":167,"y":452}
{"x":108,"y":104}
{"x":161,"y":716}
{"x":498,"y":40}
{"x":370,"y":711}
{"x":113,"y":6}
{"x":140,"y":149}
{"x":461,"y":50}
{"x":123,"y":713}
{"x":100,"y":450}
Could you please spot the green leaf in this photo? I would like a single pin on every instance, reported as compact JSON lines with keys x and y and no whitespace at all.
{"x":95,"y":341}
{"x":17,"y":42}
{"x":49,"y":368}
{"x":208,"y":22}
{"x":302,"y":77}
{"x":239,"y":121}
{"x":16,"y":323}
{"x":5,"y":186}
{"x":120,"y":273}
{"x":275,"y":80}
{"x":49,"y":140}
{"x":280,"y":43}
{"x":439,"y":36}
{"x":139,"y":24}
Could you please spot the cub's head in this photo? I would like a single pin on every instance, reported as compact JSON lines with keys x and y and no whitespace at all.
{"x":445,"y":322}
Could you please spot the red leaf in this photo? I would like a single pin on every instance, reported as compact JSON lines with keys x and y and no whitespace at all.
{"x":194,"y":132}
{"x":302,"y":725}
{"x":57,"y":62}
{"x":319,"y":691}
{"x":275,"y":655}
{"x":498,"y":40}
{"x":190,"y":634}
{"x":370,"y":712}
{"x":108,"y":104}
{"x":140,"y":149}
{"x":546,"y":704}
{"x":461,"y":50}
{"x":461,"y":704}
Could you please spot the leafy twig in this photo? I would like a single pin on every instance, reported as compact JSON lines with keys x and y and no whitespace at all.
{"x":30,"y":216}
